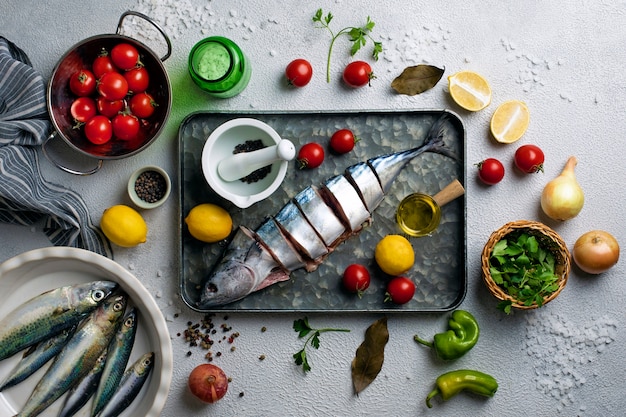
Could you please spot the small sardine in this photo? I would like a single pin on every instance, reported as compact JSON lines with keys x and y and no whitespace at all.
{"x":36,"y":357}
{"x":48,"y":314}
{"x":130,"y":386}
{"x":79,"y":355}
{"x":117,"y":359}
{"x":80,"y":393}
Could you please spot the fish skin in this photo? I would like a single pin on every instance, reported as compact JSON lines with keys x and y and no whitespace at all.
{"x":79,"y":355}
{"x":321,"y":217}
{"x":342,"y":195}
{"x":269,"y":236}
{"x":133,"y":380}
{"x":224,"y":285}
{"x":364,"y":179}
{"x":300,"y":232}
{"x":80,"y":393}
{"x":49,"y":313}
{"x":118,"y":354}
{"x":36,"y":357}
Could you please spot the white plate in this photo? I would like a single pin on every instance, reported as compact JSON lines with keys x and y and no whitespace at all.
{"x":31,"y":273}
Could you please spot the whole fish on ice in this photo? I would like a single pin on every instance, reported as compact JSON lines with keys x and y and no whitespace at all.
{"x":310,"y":226}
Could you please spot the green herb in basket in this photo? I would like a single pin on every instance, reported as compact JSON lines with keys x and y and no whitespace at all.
{"x":524,"y":269}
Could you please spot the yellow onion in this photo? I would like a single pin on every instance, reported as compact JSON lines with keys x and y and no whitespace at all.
{"x":562,"y":198}
{"x":596,"y":251}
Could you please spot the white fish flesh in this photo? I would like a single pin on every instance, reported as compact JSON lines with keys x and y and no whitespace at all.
{"x":310,"y":226}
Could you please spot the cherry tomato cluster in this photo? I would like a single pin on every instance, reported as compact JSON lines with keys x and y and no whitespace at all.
{"x":311,"y":155}
{"x":356,"y":74}
{"x":528,"y":159}
{"x":356,"y":279}
{"x":112,"y":98}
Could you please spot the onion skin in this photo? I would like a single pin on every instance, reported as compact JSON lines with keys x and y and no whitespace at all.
{"x":596,"y":251}
{"x":562,"y":198}
{"x":208,"y":382}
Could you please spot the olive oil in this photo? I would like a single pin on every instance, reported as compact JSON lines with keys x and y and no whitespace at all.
{"x":418,"y":215}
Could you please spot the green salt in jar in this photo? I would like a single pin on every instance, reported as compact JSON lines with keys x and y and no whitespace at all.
{"x":219,"y":67}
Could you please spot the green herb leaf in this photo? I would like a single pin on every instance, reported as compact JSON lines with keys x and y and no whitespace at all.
{"x":524,"y":269}
{"x":303,"y":328}
{"x":358,"y":36}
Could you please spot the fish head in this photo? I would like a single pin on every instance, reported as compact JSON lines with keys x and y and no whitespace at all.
{"x":113,"y":307}
{"x":88,"y":296}
{"x":230,"y":281}
{"x":144,"y":364}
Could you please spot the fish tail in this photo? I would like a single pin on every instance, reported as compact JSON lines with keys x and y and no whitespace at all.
{"x":435,"y":138}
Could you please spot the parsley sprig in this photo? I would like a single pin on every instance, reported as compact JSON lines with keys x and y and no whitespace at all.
{"x":524,"y":269}
{"x":358,"y":36}
{"x":302,"y":327}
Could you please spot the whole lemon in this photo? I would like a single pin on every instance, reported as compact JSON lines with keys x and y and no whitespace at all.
{"x":394,"y":255}
{"x":209,"y":223}
{"x":123,"y":226}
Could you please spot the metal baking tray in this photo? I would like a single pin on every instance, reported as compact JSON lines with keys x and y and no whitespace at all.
{"x":440,"y":259}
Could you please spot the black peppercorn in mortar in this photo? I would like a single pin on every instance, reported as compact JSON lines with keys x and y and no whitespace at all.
{"x":249,"y":146}
{"x":150,"y":186}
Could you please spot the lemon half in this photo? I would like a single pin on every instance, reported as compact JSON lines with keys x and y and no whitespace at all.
{"x":469,"y":90}
{"x":510,"y":121}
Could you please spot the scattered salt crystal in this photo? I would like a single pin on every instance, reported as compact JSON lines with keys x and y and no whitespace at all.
{"x":131,"y":266}
{"x":273,"y":52}
{"x":158,"y":294}
{"x":233,"y":13}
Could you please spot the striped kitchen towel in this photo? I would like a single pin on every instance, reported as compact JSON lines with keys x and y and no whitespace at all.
{"x":25,"y":197}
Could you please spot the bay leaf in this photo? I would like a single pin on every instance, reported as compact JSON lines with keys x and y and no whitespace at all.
{"x":370,"y":355}
{"x":417,"y":79}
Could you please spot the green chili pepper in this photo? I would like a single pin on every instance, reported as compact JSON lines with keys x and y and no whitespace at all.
{"x":457,"y":341}
{"x":451,"y":383}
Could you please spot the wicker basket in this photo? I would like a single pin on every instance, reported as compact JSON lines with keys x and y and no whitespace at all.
{"x":548,"y":238}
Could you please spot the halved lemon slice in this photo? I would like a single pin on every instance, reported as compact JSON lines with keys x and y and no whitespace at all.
{"x":469,"y":90}
{"x":510,"y":121}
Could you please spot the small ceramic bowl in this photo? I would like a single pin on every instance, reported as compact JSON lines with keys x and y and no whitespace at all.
{"x":149,"y":187}
{"x":221,"y":144}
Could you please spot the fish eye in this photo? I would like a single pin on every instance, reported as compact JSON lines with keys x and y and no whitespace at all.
{"x":129,"y":322}
{"x":147,"y":361}
{"x":118,"y":306}
{"x":97,"y":295}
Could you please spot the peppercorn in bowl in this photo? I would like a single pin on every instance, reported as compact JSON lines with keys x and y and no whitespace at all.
{"x":525,"y":264}
{"x":149,"y":187}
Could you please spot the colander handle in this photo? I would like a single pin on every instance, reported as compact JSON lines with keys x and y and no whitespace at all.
{"x":153,"y":23}
{"x":63,"y":167}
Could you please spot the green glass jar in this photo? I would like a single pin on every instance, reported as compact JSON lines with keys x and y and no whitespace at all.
{"x":219,"y":67}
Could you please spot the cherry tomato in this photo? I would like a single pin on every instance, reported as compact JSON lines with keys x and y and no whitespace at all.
{"x":529,"y":159}
{"x":490,"y":171}
{"x":343,"y":140}
{"x":102,"y":64}
{"x":358,"y":73}
{"x":124,"y":56}
{"x":83,"y":83}
{"x":125,"y":126}
{"x":208,"y":382}
{"x":400,"y":290}
{"x":142,"y":105}
{"x":98,"y":129}
{"x":356,"y":279}
{"x":299,"y":72}
{"x":137,"y":79}
{"x":113,"y":86}
{"x":310,"y":155}
{"x":109,"y":108}
{"x":83,"y":109}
